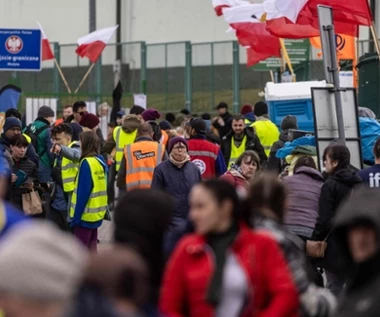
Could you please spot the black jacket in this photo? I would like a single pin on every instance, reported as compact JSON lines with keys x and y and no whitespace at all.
{"x":30,"y":169}
{"x":335,"y":190}
{"x":363,"y":285}
{"x":253,"y":143}
{"x":274,"y":163}
{"x":227,"y":118}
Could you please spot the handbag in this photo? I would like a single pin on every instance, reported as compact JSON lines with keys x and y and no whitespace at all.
{"x":31,"y":203}
{"x":317,"y":249}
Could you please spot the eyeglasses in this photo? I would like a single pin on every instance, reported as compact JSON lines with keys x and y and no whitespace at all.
{"x":179,"y":147}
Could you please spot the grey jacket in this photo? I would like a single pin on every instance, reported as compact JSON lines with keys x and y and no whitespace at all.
{"x":304,"y":189}
{"x":71,"y":153}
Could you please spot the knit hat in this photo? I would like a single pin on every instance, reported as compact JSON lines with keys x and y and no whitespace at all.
{"x":151,"y":115}
{"x":11,"y":123}
{"x":246,"y":109}
{"x":289,"y":122}
{"x":89,"y":120}
{"x":120,"y":114}
{"x":261,"y":108}
{"x":165,"y":125}
{"x":136,"y":110}
{"x":39,"y":262}
{"x":174,"y":141}
{"x":199,"y":125}
{"x":45,"y":112}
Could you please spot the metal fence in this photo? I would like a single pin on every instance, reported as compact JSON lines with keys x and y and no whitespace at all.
{"x":173,"y":75}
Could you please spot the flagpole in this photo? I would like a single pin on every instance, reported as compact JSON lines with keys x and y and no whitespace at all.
{"x":62,"y":76}
{"x":85,"y":77}
{"x":375,"y":38}
{"x":287,"y":58}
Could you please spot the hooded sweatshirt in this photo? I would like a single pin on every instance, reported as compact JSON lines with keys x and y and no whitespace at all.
{"x":130,"y":123}
{"x":363,"y":286}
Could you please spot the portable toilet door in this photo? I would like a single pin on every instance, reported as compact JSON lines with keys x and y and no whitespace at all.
{"x":292,"y":99}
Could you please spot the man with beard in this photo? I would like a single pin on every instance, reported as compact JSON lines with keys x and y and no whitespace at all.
{"x":11,"y":131}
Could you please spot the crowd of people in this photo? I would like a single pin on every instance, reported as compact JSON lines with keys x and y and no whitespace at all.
{"x":207,"y":219}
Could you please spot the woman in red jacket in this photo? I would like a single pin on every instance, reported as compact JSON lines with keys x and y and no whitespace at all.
{"x":224,"y":269}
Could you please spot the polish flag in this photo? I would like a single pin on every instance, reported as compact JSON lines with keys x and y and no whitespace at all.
{"x":47,"y":53}
{"x":248,"y":23}
{"x":219,"y":5}
{"x":299,"y":18}
{"x":93,"y":44}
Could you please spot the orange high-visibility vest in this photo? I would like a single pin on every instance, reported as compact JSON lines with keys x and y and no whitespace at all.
{"x":141,"y":159}
{"x":165,"y":138}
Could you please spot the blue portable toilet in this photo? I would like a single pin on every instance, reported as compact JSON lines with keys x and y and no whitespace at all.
{"x":292,"y":99}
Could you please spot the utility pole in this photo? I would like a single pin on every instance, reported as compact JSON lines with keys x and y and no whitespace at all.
{"x":118,"y":47}
{"x":92,"y":27}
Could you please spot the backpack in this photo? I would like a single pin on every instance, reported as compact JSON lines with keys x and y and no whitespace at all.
{"x":34,"y":135}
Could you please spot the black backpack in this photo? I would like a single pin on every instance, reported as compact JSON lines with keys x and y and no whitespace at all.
{"x":33,"y":134}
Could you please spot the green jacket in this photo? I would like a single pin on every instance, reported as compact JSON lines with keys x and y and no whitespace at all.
{"x":44,"y":143}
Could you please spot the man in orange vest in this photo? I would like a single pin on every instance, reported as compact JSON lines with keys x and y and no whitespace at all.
{"x":139,"y":160}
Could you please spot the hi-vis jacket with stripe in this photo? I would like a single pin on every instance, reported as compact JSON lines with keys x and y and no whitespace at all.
{"x":69,"y":171}
{"x":141,"y":159}
{"x":122,"y":139}
{"x":97,"y":203}
{"x":204,"y":154}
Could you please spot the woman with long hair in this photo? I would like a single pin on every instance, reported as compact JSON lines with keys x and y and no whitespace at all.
{"x":246,"y":167}
{"x":266,"y":212}
{"x":225,"y":269}
{"x":337,"y":188}
{"x":89,"y":201}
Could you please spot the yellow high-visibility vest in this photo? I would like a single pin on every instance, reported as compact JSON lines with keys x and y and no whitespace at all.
{"x":97,"y":204}
{"x":69,"y":171}
{"x":236,"y":151}
{"x":122,"y":139}
{"x":267,"y":132}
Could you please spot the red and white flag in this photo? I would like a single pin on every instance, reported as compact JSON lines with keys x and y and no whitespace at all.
{"x":47,"y":53}
{"x":219,"y":5}
{"x":249,"y":24}
{"x":299,"y":18}
{"x":93,"y":44}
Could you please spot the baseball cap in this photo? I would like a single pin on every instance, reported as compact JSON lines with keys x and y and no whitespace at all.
{"x":199,"y":125}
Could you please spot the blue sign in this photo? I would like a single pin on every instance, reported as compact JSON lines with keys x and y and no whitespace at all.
{"x":20,"y":50}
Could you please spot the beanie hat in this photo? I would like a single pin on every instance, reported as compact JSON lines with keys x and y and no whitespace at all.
{"x":45,"y":112}
{"x":246,"y":109}
{"x":261,"y":108}
{"x":170,"y":117}
{"x":165,"y":125}
{"x":89,"y":120}
{"x":120,"y":114}
{"x":11,"y":123}
{"x":289,"y":122}
{"x":174,"y":141}
{"x":136,"y":110}
{"x":39,"y":262}
{"x":151,"y":115}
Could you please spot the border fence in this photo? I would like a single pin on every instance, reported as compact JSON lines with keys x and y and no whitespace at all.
{"x":174,"y":75}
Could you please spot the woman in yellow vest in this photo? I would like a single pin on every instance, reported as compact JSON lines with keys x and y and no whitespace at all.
{"x":89,"y":202}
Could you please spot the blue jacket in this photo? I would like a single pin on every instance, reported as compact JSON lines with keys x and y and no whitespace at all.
{"x":85,"y":186}
{"x":12,"y":217}
{"x":178,"y":183}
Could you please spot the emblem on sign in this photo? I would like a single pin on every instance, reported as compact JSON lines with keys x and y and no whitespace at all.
{"x":14,"y":44}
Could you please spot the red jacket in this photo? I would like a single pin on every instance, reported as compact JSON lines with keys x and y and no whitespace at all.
{"x":204,"y":154}
{"x":190,"y":270}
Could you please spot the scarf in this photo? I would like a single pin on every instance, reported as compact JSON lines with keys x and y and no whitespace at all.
{"x":177,"y":163}
{"x":220,"y":243}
